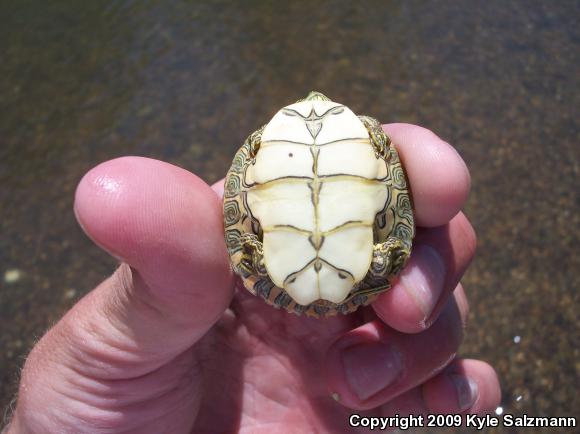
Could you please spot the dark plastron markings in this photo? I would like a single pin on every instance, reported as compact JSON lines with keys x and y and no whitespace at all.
{"x":351,"y":140}
{"x":292,"y":276}
{"x":324,"y":178}
{"x":316,"y":244}
{"x":314,"y":124}
{"x":313,"y":117}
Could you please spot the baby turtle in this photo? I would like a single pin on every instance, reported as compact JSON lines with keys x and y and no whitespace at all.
{"x":318,"y":217}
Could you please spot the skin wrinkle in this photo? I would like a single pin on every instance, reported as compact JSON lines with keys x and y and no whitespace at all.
{"x":123,"y":349}
{"x":147,"y":301}
{"x":122,"y":389}
{"x":260,"y":349}
{"x":101,"y":353}
{"x":117,"y":310}
{"x":80,"y":411}
{"x":91,"y":349}
{"x":271,"y":397}
{"x":92,"y":414}
{"x":256,"y":394}
{"x":33,"y":381}
{"x":143,"y":297}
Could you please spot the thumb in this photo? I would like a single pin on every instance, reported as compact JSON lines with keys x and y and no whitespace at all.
{"x":126,"y":341}
{"x":165,"y":224}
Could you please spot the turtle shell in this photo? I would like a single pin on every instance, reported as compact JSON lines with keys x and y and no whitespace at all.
{"x":316,"y":190}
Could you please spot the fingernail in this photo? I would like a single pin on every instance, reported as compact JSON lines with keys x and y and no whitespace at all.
{"x":423,"y":278}
{"x":370,"y":368}
{"x":466,"y":391}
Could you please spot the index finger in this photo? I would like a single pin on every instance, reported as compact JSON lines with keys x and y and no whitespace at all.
{"x":438,"y":176}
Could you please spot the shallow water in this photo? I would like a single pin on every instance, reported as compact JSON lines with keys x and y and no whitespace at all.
{"x":81,"y":83}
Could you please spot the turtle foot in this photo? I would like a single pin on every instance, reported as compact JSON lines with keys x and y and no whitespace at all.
{"x":389,"y":257}
{"x":252,"y":261}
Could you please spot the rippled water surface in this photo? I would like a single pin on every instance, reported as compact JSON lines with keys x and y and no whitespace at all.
{"x":83,"y":82}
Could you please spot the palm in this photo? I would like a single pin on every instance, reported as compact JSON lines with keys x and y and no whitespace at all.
{"x":266,"y":370}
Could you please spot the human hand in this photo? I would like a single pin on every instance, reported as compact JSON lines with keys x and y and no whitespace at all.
{"x":171,"y":343}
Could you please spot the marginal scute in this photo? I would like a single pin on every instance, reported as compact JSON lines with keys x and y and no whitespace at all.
{"x":315,"y":96}
{"x":231,"y":212}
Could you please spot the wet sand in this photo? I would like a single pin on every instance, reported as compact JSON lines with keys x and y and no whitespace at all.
{"x":84,"y":83}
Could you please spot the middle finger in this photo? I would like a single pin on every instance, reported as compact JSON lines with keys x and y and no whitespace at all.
{"x":439,"y":258}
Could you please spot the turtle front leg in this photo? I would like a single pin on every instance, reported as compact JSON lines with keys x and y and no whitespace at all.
{"x":379,"y":139}
{"x":389,"y":257}
{"x":254,"y":141}
{"x":252,"y":261}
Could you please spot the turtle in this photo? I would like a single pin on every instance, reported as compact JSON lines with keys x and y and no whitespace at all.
{"x":318,"y":216}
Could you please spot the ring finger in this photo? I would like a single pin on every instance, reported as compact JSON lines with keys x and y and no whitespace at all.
{"x":373,"y":364}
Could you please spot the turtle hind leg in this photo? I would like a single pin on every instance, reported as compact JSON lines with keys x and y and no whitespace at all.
{"x":252,"y":261}
{"x":389,"y":257}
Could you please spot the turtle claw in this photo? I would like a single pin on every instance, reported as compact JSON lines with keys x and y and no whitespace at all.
{"x":389,"y":257}
{"x":252,"y":261}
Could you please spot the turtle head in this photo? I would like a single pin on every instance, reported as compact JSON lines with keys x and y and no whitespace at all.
{"x":315,"y":96}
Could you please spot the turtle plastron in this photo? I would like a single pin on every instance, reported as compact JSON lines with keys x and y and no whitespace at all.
{"x":317,"y":210}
